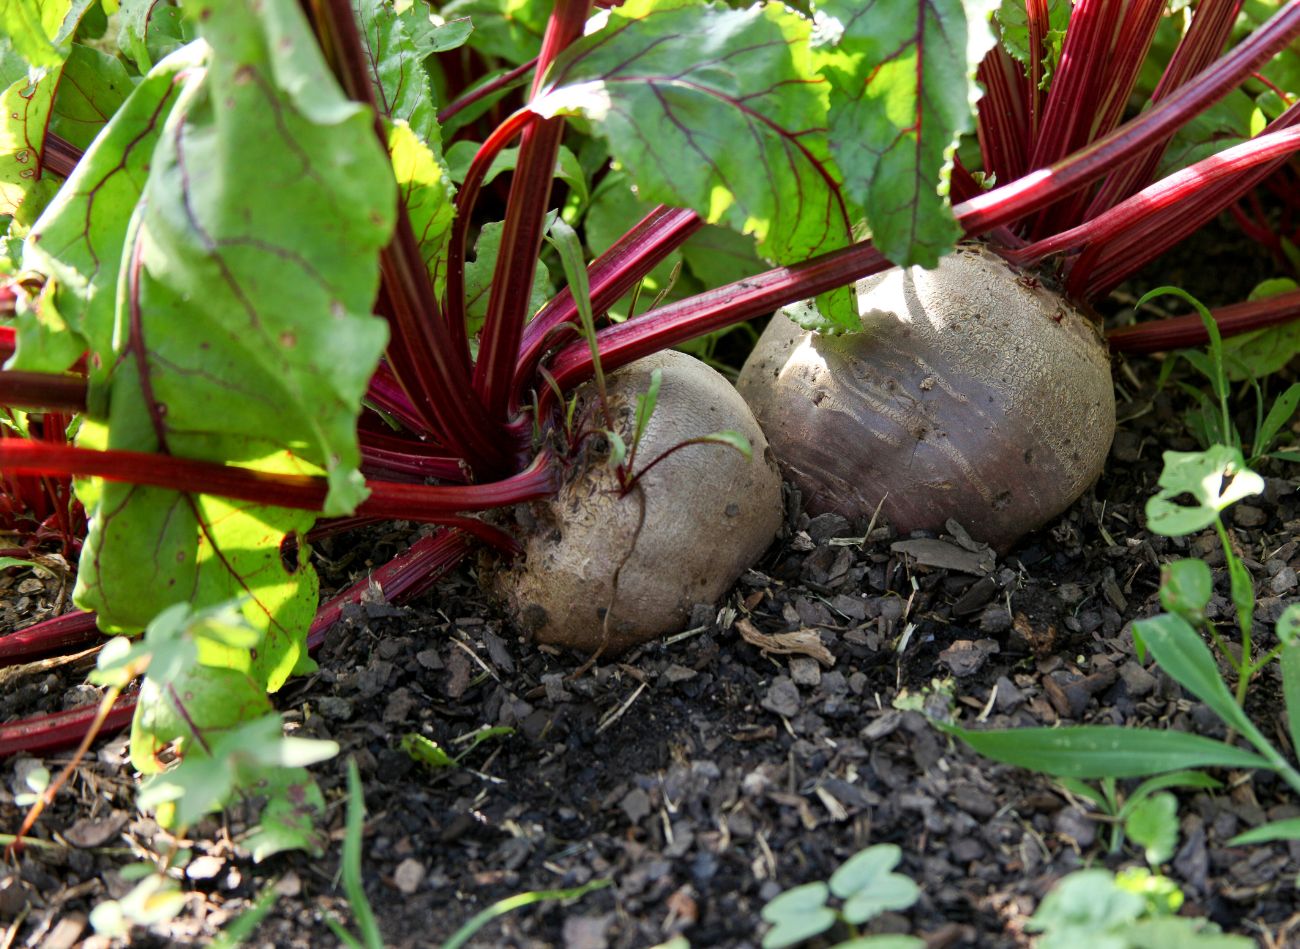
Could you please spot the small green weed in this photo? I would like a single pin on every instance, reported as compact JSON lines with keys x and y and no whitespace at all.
{"x":1148,"y":815}
{"x":1134,"y":909}
{"x":1221,"y":364}
{"x":1195,"y":487}
{"x":866,"y":886}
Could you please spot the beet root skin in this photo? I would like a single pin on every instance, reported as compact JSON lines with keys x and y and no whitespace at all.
{"x":710,"y":513}
{"x":973,"y":393}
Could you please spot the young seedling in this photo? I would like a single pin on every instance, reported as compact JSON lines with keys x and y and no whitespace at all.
{"x":434,"y":757}
{"x":1148,"y":814}
{"x":866,"y":885}
{"x":1212,"y":481}
{"x":1211,"y":422}
{"x":1134,"y":909}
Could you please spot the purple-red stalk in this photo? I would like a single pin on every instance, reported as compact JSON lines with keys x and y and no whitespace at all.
{"x":434,"y":374}
{"x":1204,"y":40}
{"x":613,"y":274}
{"x":454,"y":317}
{"x":1150,"y":205}
{"x":387,"y":500}
{"x":42,"y":390}
{"x":523,"y":228}
{"x":1039,"y":188}
{"x":1181,"y":331}
{"x":503,"y":81}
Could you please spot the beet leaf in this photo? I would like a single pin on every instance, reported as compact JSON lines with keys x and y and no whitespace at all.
{"x":904,"y":81}
{"x":719,"y":111}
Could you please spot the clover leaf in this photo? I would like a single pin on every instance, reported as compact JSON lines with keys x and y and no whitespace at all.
{"x":1215,"y":478}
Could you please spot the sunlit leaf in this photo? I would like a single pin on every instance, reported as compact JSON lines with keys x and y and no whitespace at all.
{"x":248,"y":287}
{"x":1215,"y":479}
{"x":78,"y":239}
{"x":720,"y":111}
{"x":427,"y":193}
{"x":26,"y":104}
{"x":1105,"y":751}
{"x":904,"y":74}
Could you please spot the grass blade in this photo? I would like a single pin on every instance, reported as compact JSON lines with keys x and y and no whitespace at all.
{"x":511,"y":903}
{"x":1183,"y":654}
{"x":352,"y":884}
{"x":1288,"y":829}
{"x":1290,"y":661}
{"x":1099,"y":751}
{"x":245,"y":924}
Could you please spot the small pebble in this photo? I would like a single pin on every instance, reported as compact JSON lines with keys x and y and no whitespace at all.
{"x":782,"y":697}
{"x":636,"y":805}
{"x":1008,"y":695}
{"x":805,"y":670}
{"x":1283,"y":582}
{"x":1137,"y":680}
{"x":1247,"y":515}
{"x":331,"y":706}
{"x":409,"y":875}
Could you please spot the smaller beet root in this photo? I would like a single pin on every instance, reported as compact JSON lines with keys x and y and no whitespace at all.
{"x":710,"y":512}
{"x":974,"y":392}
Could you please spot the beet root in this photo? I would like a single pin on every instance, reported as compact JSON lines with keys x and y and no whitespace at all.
{"x":709,"y":513}
{"x":973,"y":393}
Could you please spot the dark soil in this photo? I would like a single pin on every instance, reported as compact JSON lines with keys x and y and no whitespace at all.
{"x":702,"y":775}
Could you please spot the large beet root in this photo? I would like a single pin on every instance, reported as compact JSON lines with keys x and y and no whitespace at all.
{"x":973,"y":393}
{"x":710,"y":512}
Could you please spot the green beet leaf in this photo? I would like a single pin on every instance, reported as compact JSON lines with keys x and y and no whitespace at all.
{"x":294,"y":803}
{"x":78,"y":239}
{"x":151,"y":30}
{"x":1105,"y":751}
{"x":93,"y":87}
{"x":196,"y":707}
{"x":243,"y":333}
{"x":432,"y":33}
{"x":478,"y":277}
{"x":506,"y":29}
{"x":400,"y":84}
{"x":904,"y":76}
{"x":26,"y":103}
{"x":1013,"y":28}
{"x":720,"y":111}
{"x":254,"y":755}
